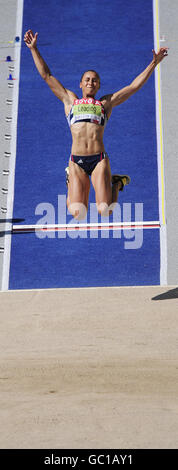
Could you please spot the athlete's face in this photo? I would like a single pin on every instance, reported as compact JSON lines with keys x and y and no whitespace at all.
{"x":90,"y":84}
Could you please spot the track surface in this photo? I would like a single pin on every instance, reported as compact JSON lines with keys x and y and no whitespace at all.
{"x":74,"y":43}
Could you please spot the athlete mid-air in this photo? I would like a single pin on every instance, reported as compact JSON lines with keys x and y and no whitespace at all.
{"x":87,"y":119}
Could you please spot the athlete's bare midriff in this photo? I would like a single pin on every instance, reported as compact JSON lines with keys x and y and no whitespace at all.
{"x":87,"y":138}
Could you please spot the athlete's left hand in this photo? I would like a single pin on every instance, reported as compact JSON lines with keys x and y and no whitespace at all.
{"x":159,"y":56}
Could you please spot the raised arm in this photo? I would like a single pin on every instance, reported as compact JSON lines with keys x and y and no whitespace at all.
{"x":66,"y":96}
{"x":122,"y":95}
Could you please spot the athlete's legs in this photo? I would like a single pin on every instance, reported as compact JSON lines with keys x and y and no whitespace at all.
{"x":105,"y":193}
{"x":78,"y":191}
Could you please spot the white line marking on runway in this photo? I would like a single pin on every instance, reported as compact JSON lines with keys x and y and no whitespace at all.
{"x":151,"y":224}
{"x":160,"y":152}
{"x":12,"y":161}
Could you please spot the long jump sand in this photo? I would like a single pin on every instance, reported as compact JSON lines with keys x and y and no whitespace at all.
{"x":89,"y":368}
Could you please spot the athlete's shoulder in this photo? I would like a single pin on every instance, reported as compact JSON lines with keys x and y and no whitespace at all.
{"x":71,"y":97}
{"x":106,"y":99}
{"x":70,"y":101}
{"x":106,"y":102}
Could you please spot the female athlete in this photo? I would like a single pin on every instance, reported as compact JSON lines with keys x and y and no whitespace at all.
{"x":87,"y":118}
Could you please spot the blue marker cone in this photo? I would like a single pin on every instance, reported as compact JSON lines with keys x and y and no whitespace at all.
{"x":10,"y":77}
{"x":8,"y":58}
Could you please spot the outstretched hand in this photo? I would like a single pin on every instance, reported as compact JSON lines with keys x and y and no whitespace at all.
{"x":159,"y":56}
{"x":30,"y":39}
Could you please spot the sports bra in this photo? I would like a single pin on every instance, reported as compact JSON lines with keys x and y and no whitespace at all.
{"x":88,"y":110}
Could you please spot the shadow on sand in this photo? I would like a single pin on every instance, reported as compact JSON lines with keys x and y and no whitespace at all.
{"x":170,"y":294}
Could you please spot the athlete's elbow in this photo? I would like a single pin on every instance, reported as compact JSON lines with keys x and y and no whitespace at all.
{"x":43,"y":74}
{"x":46,"y":77}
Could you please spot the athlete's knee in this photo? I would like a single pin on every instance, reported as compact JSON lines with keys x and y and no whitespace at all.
{"x":104,"y":209}
{"x":78,"y":210}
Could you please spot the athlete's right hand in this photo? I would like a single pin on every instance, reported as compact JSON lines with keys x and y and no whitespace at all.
{"x":30,"y":39}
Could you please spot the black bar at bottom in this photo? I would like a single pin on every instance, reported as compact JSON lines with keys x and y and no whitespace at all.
{"x":93,"y":458}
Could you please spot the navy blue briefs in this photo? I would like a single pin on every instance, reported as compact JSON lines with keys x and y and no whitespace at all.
{"x":89,"y":162}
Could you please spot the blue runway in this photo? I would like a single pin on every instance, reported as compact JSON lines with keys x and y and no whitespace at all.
{"x":116,"y":39}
